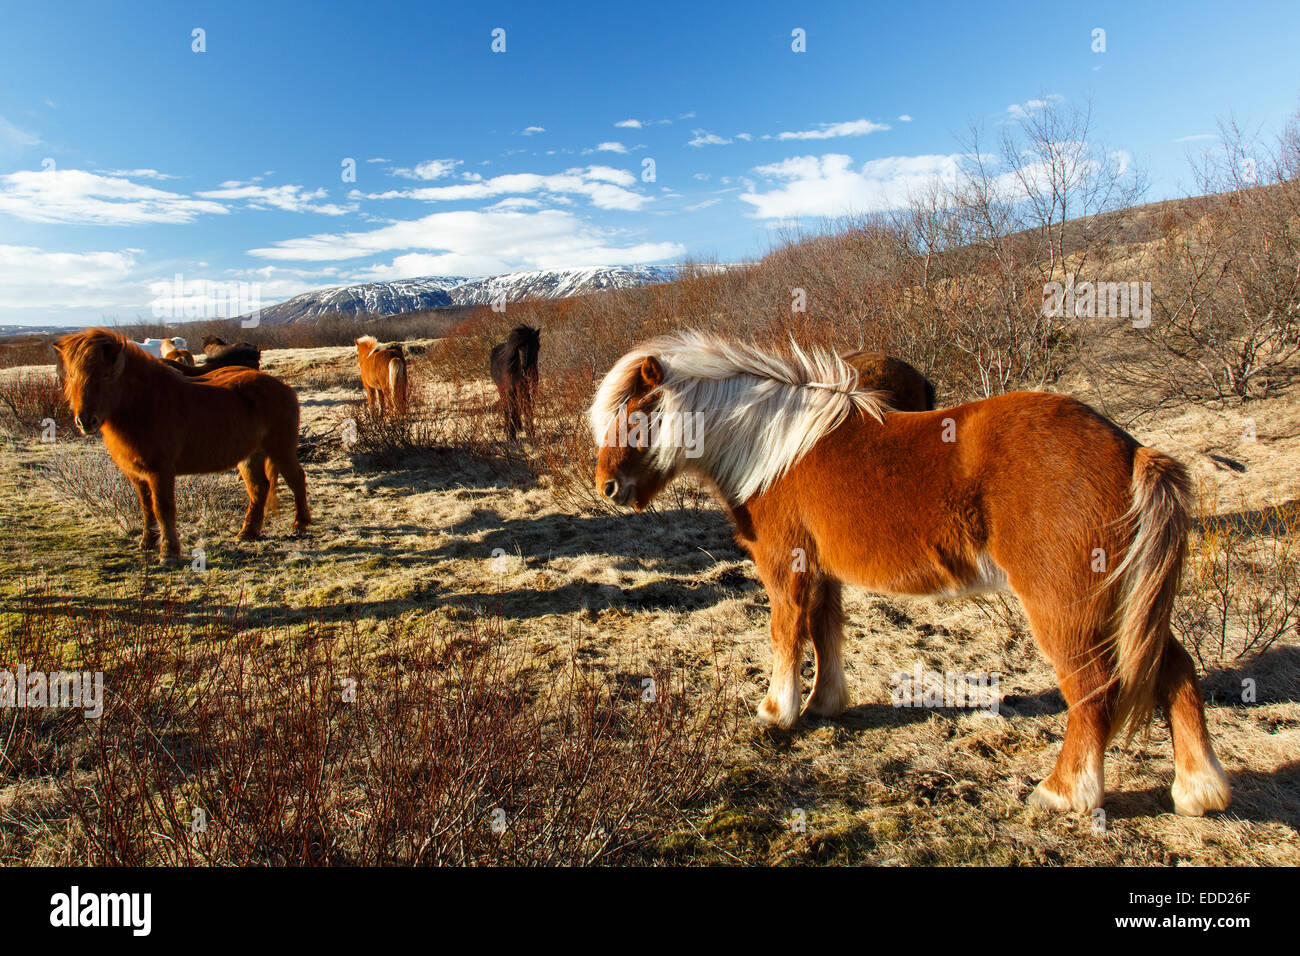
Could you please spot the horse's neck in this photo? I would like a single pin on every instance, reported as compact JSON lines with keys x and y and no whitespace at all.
{"x":143,"y":383}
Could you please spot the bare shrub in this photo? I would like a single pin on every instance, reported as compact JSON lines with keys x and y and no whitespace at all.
{"x":226,"y":747}
{"x":30,"y":399}
{"x":1241,"y":586}
{"x":85,"y":478}
{"x":1226,"y":323}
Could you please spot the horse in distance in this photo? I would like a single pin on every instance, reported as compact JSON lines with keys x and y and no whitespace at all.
{"x":174,"y":350}
{"x":220,"y":354}
{"x":1031,"y":492}
{"x":157,"y":425}
{"x":383,"y":375}
{"x":514,"y":370}
{"x":908,"y":389}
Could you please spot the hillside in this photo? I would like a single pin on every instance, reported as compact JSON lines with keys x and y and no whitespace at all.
{"x":401,"y":296}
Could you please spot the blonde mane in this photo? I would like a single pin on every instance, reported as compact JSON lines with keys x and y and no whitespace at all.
{"x":758,"y":413}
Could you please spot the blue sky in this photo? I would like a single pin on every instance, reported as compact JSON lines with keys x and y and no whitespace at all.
{"x":126,"y":157}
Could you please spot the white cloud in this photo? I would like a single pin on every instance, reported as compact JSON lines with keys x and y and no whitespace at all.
{"x":629,"y":124}
{"x":611,"y":147}
{"x":830,"y":186}
{"x":12,"y":138}
{"x":429,"y":169}
{"x":603,"y":186}
{"x":904,"y":118}
{"x":33,"y":278}
{"x":138,"y":174}
{"x":474,"y":242}
{"x":859,"y":127}
{"x":1021,"y":110}
{"x":1195,"y":137}
{"x":703,"y":204}
{"x":379,"y":159}
{"x":532,"y":130}
{"x":702,"y":137}
{"x":77,"y":196}
{"x":287,"y":198}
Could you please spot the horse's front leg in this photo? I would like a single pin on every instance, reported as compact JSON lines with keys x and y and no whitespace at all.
{"x":163,"y":489}
{"x":149,"y":537}
{"x":830,"y":694}
{"x":789,"y":591}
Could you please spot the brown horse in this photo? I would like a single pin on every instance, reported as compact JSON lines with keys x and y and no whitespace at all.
{"x":909,"y":390}
{"x":383,"y":375}
{"x":514,"y":370}
{"x":172,"y":352}
{"x":1028,"y":491}
{"x":220,"y":355}
{"x":157,"y":425}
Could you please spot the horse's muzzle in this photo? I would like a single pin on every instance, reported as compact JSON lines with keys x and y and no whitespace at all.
{"x":621,"y":493}
{"x":87,"y":426}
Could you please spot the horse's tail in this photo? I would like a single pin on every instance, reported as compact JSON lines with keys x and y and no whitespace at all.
{"x":397,"y":382}
{"x":272,"y":477}
{"x":1148,"y":578}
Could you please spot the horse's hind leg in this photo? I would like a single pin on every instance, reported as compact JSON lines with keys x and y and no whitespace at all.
{"x":287,"y":464}
{"x":1077,"y":782}
{"x":511,"y":415}
{"x":830,"y":693}
{"x":149,"y":537}
{"x":162,"y":488}
{"x":253,"y":470}
{"x":1199,"y":782}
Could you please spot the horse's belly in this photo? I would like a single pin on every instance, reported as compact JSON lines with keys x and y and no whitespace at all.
{"x":203,"y":457}
{"x":920,"y":573}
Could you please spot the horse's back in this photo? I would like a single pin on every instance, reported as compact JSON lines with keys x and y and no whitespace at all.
{"x":953,"y":487}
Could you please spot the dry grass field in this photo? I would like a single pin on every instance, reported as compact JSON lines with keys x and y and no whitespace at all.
{"x":419,"y":553}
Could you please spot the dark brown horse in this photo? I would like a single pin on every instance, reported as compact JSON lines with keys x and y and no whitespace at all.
{"x":908,"y":389}
{"x":1029,"y":492}
{"x":514,"y":370}
{"x":221,"y":355}
{"x":157,"y":425}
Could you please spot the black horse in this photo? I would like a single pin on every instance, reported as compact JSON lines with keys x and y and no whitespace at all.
{"x":514,"y":369}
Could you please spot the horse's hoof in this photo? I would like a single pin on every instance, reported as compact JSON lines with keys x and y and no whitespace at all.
{"x":1202,"y":792}
{"x":169,"y":560}
{"x":770,"y":717}
{"x":1046,"y":799}
{"x":248,"y":536}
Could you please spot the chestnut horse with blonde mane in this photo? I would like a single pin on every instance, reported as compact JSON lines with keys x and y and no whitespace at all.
{"x":1029,"y":491}
{"x":383,"y":375}
{"x":158,"y":424}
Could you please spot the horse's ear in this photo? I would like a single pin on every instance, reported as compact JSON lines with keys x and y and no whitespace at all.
{"x":119,"y":362}
{"x":652,"y":373}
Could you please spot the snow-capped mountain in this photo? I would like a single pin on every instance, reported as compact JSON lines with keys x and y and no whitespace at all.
{"x":374,"y":299}
{"x":557,"y":283}
{"x":371,"y":299}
